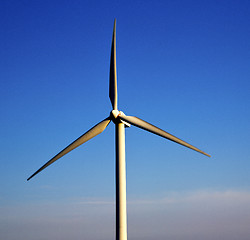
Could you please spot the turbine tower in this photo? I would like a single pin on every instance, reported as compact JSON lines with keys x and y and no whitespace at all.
{"x":121,"y":121}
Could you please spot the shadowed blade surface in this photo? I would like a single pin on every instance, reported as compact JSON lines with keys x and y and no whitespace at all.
{"x":97,"y":129}
{"x":153,"y":129}
{"x":112,"y":73}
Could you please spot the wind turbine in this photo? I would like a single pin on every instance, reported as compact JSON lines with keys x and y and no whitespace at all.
{"x":121,"y":121}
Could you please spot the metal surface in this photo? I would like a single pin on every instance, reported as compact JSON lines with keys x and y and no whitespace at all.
{"x":120,"y":120}
{"x":153,"y":129}
{"x":112,"y":74}
{"x":121,"y":207}
{"x":97,"y":129}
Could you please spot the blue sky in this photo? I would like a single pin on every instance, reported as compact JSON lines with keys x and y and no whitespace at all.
{"x":182,"y":66}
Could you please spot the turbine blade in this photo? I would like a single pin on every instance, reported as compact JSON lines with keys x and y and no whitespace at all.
{"x":153,"y":129}
{"x":112,"y":73}
{"x":97,"y":129}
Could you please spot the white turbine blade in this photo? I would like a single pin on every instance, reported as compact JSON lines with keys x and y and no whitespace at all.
{"x":112,"y":73}
{"x":153,"y":129}
{"x":97,"y":129}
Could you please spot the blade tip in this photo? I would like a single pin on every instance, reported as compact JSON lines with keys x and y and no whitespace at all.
{"x":206,"y":154}
{"x":114,"y":29}
{"x":29,"y":178}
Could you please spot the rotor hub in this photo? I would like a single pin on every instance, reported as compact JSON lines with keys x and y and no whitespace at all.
{"x":114,"y":114}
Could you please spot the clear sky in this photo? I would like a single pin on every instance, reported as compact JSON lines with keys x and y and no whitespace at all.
{"x":183,"y":66}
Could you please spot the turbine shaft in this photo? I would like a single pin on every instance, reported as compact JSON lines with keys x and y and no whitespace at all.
{"x":153,"y":129}
{"x":112,"y":73}
{"x":97,"y":129}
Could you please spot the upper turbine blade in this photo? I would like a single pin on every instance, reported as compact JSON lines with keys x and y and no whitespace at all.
{"x":112,"y":73}
{"x":97,"y":129}
{"x":151,"y":128}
